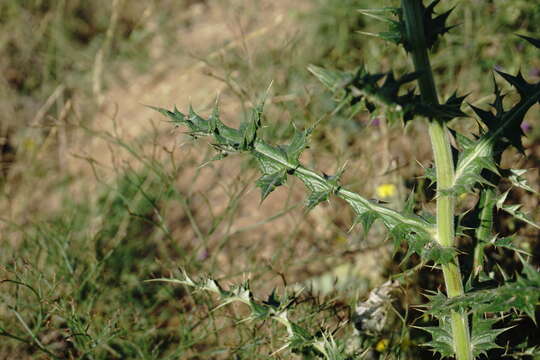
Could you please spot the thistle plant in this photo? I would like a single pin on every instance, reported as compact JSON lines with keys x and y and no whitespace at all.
{"x":466,"y":311}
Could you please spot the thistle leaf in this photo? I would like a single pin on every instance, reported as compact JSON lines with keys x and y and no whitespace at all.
{"x":298,"y":144}
{"x":275,"y":308}
{"x":315,"y":198}
{"x":522,"y":295}
{"x":504,"y":130}
{"x":514,"y":210}
{"x":213,"y":121}
{"x":277,"y":162}
{"x":481,"y":156}
{"x":272,"y":161}
{"x":441,"y":337}
{"x":463,"y":142}
{"x":523,"y":87}
{"x":270,"y":182}
{"x":248,"y":130}
{"x":483,"y":335}
{"x":373,"y":92}
{"x":508,"y":243}
{"x":408,"y":207}
{"x":334,"y":80}
{"x":535,"y":42}
{"x":395,"y":27}
{"x":434,"y":24}
{"x":329,"y":349}
{"x":421,"y":244}
{"x":367,"y":219}
{"x":430,"y":173}
{"x":516,"y":178}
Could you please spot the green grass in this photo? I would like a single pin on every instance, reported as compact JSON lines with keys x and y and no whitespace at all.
{"x":73,"y":278}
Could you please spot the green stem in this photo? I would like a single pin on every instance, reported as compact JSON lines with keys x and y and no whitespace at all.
{"x":413,"y":15}
{"x":484,"y":230}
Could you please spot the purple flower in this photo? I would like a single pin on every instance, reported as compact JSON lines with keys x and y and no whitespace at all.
{"x":535,"y":72}
{"x":376,"y":122}
{"x":526,"y":127}
{"x":203,"y":255}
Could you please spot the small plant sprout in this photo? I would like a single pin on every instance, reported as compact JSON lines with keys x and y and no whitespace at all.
{"x":467,"y":310}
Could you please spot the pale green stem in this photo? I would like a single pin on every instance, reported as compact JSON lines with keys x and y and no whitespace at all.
{"x":483,"y":232}
{"x":412,"y":11}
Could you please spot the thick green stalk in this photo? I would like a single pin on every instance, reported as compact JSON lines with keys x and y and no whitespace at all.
{"x":412,"y":11}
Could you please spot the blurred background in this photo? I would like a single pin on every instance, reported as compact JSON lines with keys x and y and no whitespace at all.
{"x":99,"y":193}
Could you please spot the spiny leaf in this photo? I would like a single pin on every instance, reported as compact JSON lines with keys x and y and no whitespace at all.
{"x":535,"y":42}
{"x":315,"y":198}
{"x":269,"y":182}
{"x":195,"y":121}
{"x":508,"y":243}
{"x":367,"y":219}
{"x":523,"y":87}
{"x":449,"y":110}
{"x":516,"y":178}
{"x":272,"y":160}
{"x":273,"y":300}
{"x":421,"y":244}
{"x":434,"y":25}
{"x":463,"y":142}
{"x":249,"y":129}
{"x":334,"y":80}
{"x":441,"y":337}
{"x":213,"y":120}
{"x":389,"y":14}
{"x":277,"y":162}
{"x":328,"y":347}
{"x":364,"y":87}
{"x":430,"y":173}
{"x":504,"y":130}
{"x":521,"y":295}
{"x":483,"y":335}
{"x":514,"y":210}
{"x":274,"y":308}
{"x":413,"y":229}
{"x":299,"y":143}
{"x":408,"y":207}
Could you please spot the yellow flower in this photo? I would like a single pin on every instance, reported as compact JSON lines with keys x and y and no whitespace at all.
{"x":29,"y":144}
{"x":341,"y":240}
{"x":386,"y":190}
{"x":382,"y":345}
